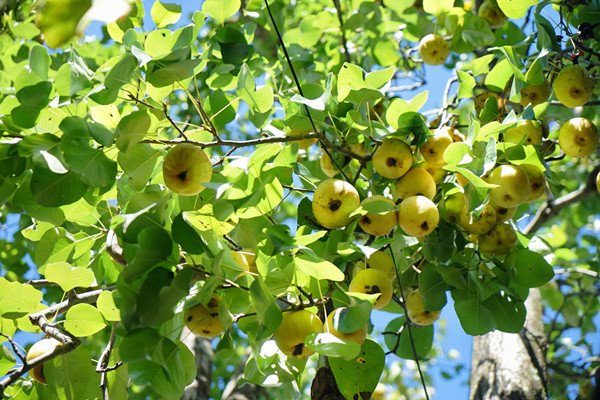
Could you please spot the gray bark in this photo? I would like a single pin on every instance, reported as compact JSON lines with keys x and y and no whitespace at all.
{"x":511,"y":366}
{"x":203,"y":353}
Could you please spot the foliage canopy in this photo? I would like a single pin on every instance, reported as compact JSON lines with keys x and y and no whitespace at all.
{"x":283,"y":96}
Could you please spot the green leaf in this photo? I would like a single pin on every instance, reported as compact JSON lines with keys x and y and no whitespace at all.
{"x":53,"y":190}
{"x":164,"y":14}
{"x":39,"y":61}
{"x":131,"y":130}
{"x":7,"y":360}
{"x":318,"y":268}
{"x":68,"y":277}
{"x":532,"y":269}
{"x":267,"y":311}
{"x":357,"y":378}
{"x":350,"y":319}
{"x":476,"y":31}
{"x":259,"y":100}
{"x":18,"y":299}
{"x":474,"y":317}
{"x":466,"y":83}
{"x":220,"y":10}
{"x":398,"y":107}
{"x":71,"y":376}
{"x":331,"y":346}
{"x":432,"y":287}
{"x":187,"y":237}
{"x":400,"y":343}
{"x":175,"y":73}
{"x":508,"y":313}
{"x":139,"y":164}
{"x":437,"y":7}
{"x":153,"y":358}
{"x":84,"y":320}
{"x":154,"y":246}
{"x":106,"y":305}
{"x":516,"y":9}
{"x":58,"y":20}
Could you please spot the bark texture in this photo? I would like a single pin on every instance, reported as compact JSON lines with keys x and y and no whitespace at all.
{"x":203,"y":353}
{"x":511,"y":366}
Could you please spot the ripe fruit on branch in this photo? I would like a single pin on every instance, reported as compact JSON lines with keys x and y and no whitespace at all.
{"x":333,"y":201}
{"x":379,"y":224}
{"x":528,"y":132}
{"x":573,"y":86}
{"x":392,"y":159}
{"x":186,"y":168}
{"x":434,"y":147}
{"x":327,"y":166}
{"x":481,"y":224}
{"x":535,"y":94}
{"x":578,"y":137}
{"x":455,"y":206}
{"x":203,"y":320}
{"x":38,"y":349}
{"x":503,"y":214}
{"x":537,"y":181}
{"x":378,"y":260}
{"x":294,"y":328}
{"x":303,"y":143}
{"x":417,"y":181}
{"x":246,"y":259}
{"x":418,"y":216}
{"x":433,"y":49}
{"x":513,"y":186}
{"x":490,"y":11}
{"x":416,"y":312}
{"x":373,"y":281}
{"x":358,"y":336}
{"x":500,"y":240}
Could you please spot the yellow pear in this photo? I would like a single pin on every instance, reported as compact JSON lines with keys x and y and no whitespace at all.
{"x":333,"y":201}
{"x":503,"y":214}
{"x":379,"y":224}
{"x":513,"y":186}
{"x":246,"y":259}
{"x":378,"y":260}
{"x":373,"y":281}
{"x":433,"y":49}
{"x":417,"y":181}
{"x":578,"y":137}
{"x":295,"y":326}
{"x":535,"y":94}
{"x":186,"y":168}
{"x":481,"y":224}
{"x":455,"y":207}
{"x":500,"y":240}
{"x":490,"y":11}
{"x":393,"y":158}
{"x":537,"y":181}
{"x":302,"y":143}
{"x":573,"y":86}
{"x":416,"y":312}
{"x":358,"y":336}
{"x":203,"y":320}
{"x":418,"y":216}
{"x":38,"y":349}
{"x":434,"y":147}
{"x":528,"y":132}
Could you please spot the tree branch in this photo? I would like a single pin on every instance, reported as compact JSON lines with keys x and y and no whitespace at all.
{"x":102,"y":366}
{"x":551,"y":208}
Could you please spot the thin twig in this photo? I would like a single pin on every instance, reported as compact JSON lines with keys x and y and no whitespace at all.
{"x":338,"y":9}
{"x":102,"y":365}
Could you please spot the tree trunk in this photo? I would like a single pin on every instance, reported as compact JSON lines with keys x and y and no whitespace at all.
{"x":203,"y":353}
{"x":511,"y":366}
